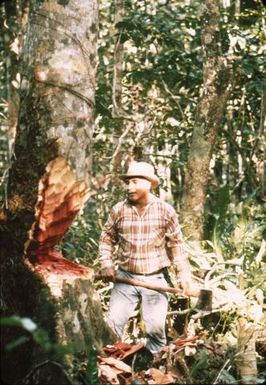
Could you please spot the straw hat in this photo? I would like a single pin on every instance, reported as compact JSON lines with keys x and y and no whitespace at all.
{"x":141,"y":170}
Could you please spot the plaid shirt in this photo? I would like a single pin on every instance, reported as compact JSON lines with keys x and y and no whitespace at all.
{"x":142,"y":243}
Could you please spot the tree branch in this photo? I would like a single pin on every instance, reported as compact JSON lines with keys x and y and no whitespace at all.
{"x":65,"y":87}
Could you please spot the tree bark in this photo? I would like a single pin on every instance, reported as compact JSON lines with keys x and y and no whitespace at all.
{"x":117,"y":109}
{"x":47,"y":186}
{"x":13,"y":15}
{"x":209,"y":115}
{"x":13,"y":45}
{"x":262,"y":146}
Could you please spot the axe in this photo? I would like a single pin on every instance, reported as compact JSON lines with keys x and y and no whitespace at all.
{"x":204,"y":302}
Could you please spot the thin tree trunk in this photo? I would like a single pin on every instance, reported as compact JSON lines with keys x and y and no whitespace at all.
{"x":13,"y":18}
{"x":210,"y":111}
{"x":13,"y":49}
{"x":262,"y":145}
{"x":246,"y":360}
{"x":117,"y":110}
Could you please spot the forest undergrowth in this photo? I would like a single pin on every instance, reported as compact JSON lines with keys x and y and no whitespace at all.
{"x":223,"y":345}
{"x":203,"y":347}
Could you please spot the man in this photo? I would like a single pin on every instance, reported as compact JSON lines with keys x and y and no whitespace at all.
{"x":144,"y":232}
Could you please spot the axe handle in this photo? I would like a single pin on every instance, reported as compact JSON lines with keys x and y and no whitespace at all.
{"x":136,"y":282}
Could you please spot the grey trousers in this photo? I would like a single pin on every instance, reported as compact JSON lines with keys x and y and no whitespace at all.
{"x":124,"y":300}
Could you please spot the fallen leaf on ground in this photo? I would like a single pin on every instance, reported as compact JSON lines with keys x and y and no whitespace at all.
{"x":117,"y":347}
{"x":158,"y":377}
{"x":132,"y":350}
{"x":122,"y":350}
{"x":107,"y":373}
{"x":116,"y":363}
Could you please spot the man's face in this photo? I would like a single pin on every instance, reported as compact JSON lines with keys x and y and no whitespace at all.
{"x":137,"y":189}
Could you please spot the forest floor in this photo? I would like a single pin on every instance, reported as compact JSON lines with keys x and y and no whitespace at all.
{"x":196,"y":360}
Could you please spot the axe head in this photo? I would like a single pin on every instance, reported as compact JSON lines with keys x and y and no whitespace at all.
{"x":204,"y":302}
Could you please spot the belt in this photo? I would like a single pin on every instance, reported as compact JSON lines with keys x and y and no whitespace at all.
{"x":145,"y":274}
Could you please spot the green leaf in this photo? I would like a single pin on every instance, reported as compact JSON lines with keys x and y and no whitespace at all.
{"x":19,"y":341}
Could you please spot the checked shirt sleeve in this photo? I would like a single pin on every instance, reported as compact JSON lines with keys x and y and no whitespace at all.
{"x":175,"y":246}
{"x":107,"y":241}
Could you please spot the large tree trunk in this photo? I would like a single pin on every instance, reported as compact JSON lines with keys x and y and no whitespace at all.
{"x":210,"y":111}
{"x":48,"y":184}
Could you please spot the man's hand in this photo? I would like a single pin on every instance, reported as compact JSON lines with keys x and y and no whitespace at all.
{"x":186,"y":283}
{"x":190,"y":289}
{"x":108,"y":274}
{"x":184,"y":279}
